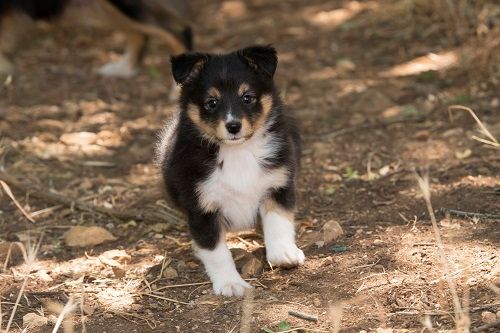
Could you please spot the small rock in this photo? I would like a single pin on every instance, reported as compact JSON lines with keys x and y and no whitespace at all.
{"x":422,"y":135}
{"x":252,"y":267}
{"x":43,"y":276}
{"x":137,"y":307}
{"x":331,"y":231}
{"x":317,"y":302}
{"x":363,"y":331}
{"x":34,"y":320}
{"x":118,"y":271}
{"x":384,"y":330}
{"x":378,"y":242}
{"x":495,"y":102}
{"x":52,"y":318}
{"x":11,"y":250}
{"x":115,"y":257}
{"x":88,"y":309}
{"x":170,"y":273}
{"x":192,"y":265}
{"x":488,"y":317}
{"x":108,"y":315}
{"x":181,"y":265}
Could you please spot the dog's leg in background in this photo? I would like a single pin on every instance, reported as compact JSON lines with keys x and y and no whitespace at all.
{"x":279,"y":235}
{"x":12,"y":27}
{"x":128,"y":64}
{"x":209,"y":245}
{"x":137,"y":32}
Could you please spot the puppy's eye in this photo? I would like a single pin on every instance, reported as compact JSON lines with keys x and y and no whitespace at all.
{"x":248,"y":99}
{"x":211,"y":104}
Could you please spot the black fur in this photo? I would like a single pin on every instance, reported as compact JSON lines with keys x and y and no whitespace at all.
{"x":36,"y":9}
{"x":189,"y":158}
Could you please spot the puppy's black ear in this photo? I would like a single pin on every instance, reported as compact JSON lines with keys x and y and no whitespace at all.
{"x":187,"y":66}
{"x":263,"y":59}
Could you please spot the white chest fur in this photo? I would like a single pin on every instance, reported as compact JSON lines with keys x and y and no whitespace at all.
{"x":239,"y":183}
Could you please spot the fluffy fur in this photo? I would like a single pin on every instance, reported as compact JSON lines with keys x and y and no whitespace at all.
{"x":137,"y":19}
{"x":230,"y":156}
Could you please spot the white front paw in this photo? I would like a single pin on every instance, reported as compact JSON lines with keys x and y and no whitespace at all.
{"x":231,"y":288}
{"x":285,"y":254}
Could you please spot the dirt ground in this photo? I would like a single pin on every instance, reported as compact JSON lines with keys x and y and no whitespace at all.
{"x":370,"y":83}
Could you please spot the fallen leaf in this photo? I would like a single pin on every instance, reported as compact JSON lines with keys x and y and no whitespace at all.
{"x":252,"y":267}
{"x":463,"y":154}
{"x":87,"y":236}
{"x":79,"y":138}
{"x":115,"y":257}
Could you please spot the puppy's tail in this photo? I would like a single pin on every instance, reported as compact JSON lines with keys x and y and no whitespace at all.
{"x":188,"y":38}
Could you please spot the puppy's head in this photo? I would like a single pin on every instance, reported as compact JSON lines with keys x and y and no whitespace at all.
{"x":228,"y":97}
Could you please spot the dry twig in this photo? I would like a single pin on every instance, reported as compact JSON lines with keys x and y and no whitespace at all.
{"x":461,"y":213}
{"x":59,"y":199}
{"x":302,"y":315}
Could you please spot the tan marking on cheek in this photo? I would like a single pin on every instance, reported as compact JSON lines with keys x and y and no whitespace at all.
{"x":221,"y":130}
{"x":243,"y":88}
{"x":194,"y":115}
{"x":272,"y":206}
{"x":267,"y":104}
{"x":246,"y":127}
{"x":214,"y":92}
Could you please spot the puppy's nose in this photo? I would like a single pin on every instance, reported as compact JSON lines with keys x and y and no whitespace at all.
{"x":233,"y":127}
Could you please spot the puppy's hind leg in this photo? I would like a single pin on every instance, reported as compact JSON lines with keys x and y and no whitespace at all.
{"x":128,"y":64}
{"x":210,"y":247}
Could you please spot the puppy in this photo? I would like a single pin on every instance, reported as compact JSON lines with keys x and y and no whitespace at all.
{"x":231,"y":156}
{"x":138,"y":19}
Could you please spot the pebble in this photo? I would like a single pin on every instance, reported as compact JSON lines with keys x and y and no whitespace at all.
{"x":170,"y":273}
{"x":34,"y":320}
{"x":317,"y":302}
{"x":378,"y":242}
{"x":488,"y":317}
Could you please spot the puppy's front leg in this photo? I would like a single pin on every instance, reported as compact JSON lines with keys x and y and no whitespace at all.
{"x":209,"y":245}
{"x":279,"y":235}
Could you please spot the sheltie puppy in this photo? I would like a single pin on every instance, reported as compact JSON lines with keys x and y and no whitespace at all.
{"x":137,"y":19}
{"x":230,"y":158}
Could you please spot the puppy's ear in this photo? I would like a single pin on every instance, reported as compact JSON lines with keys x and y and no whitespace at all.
{"x":263,"y":59}
{"x":187,"y":66}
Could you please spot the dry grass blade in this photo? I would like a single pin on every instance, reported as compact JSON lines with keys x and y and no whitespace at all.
{"x":64,"y":315}
{"x":29,"y":258}
{"x":492,"y":141}
{"x":247,"y":310}
{"x":462,"y":319}
{"x":7,"y":190}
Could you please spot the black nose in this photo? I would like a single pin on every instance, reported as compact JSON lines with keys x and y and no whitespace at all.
{"x":233,"y":127}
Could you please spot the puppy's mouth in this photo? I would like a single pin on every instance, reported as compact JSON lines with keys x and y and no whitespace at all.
{"x":235,"y":139}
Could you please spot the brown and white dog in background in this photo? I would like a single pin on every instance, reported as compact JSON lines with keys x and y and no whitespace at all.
{"x":137,"y":19}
